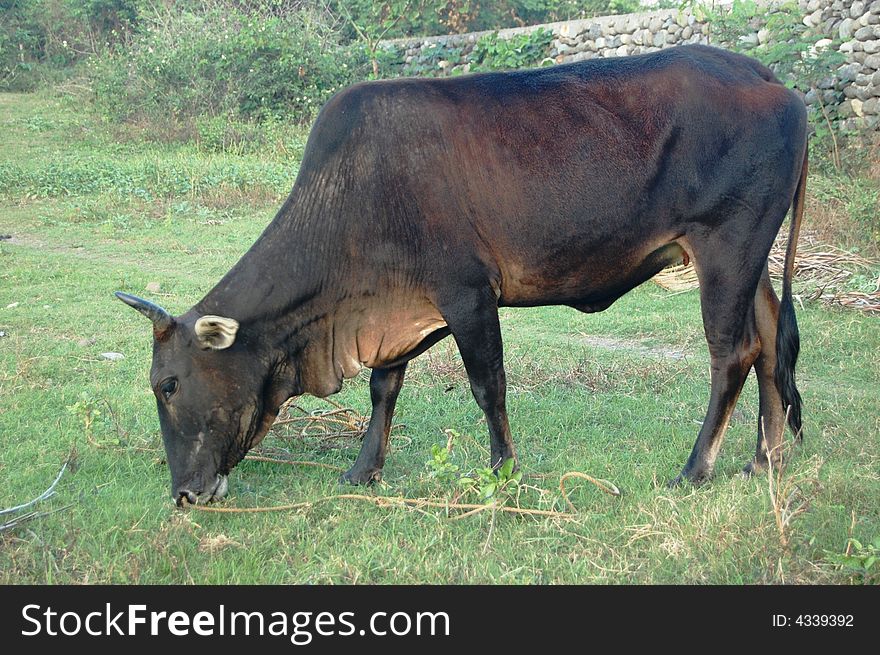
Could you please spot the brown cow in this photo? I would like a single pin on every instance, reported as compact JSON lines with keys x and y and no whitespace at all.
{"x":424,"y":205}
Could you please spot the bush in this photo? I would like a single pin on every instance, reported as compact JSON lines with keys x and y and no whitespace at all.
{"x":518,"y":51}
{"x":43,"y":40}
{"x":222,"y":61}
{"x":373,"y":19}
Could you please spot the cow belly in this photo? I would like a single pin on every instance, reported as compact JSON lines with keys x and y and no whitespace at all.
{"x":591,"y":284}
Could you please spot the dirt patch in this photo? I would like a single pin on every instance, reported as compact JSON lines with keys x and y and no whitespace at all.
{"x":19,"y":240}
{"x":635,"y":347}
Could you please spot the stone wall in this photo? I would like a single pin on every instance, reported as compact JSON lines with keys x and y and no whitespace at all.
{"x":606,"y":36}
{"x":853,"y":27}
{"x":851,"y":91}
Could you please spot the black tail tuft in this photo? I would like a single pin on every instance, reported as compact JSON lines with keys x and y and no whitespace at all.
{"x":788,"y":340}
{"x":788,"y":345}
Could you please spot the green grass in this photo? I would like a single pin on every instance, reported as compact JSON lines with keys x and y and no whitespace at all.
{"x":588,"y":393}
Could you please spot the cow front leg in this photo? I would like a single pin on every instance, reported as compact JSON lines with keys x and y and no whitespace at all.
{"x":474,"y":323}
{"x":385,"y":386}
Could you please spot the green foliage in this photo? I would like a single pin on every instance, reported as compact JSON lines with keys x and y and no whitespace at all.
{"x":225,"y":134}
{"x":145,"y":178}
{"x":611,"y":7}
{"x":789,"y":47}
{"x":492,"y":52}
{"x":43,"y":40}
{"x":851,"y":197}
{"x":384,"y":62}
{"x":223,"y":61}
{"x":486,"y":483}
{"x":439,"y":466}
{"x":366,"y":24}
{"x":863,"y":199}
{"x":390,"y":19}
{"x":860,"y":559}
{"x":372,"y":21}
{"x":86,"y":411}
{"x":477,"y":16}
{"x":490,"y":484}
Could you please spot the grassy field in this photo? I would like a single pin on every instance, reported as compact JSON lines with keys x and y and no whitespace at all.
{"x":617,"y":395}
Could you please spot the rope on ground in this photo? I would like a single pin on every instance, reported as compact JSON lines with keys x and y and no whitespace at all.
{"x":385,"y":502}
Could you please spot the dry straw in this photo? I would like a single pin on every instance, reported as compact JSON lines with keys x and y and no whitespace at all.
{"x":335,"y":422}
{"x":827,"y":268}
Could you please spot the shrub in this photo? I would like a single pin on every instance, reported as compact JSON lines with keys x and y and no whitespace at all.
{"x":519,"y":51}
{"x":372,"y":19}
{"x":43,"y":40}
{"x":429,"y":62}
{"x":222,"y":61}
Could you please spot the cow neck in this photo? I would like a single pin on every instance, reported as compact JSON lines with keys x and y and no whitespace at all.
{"x":305,"y":336}
{"x":271,"y":278}
{"x":278,"y":292}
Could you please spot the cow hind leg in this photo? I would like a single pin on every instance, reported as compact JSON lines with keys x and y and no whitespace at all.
{"x":385,"y":384}
{"x":771,"y":420}
{"x":728,"y":282}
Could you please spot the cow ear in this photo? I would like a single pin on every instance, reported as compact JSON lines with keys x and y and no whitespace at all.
{"x":216,"y":332}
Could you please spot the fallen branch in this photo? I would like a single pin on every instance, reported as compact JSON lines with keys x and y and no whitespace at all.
{"x":18,"y":520}
{"x":864,"y":302}
{"x":48,"y":493}
{"x":336,"y":423}
{"x":608,"y":487}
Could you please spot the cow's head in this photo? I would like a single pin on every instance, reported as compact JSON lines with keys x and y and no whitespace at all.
{"x":217,"y":392}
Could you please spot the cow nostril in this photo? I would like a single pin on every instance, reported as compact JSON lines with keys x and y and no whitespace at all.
{"x":186,"y":496}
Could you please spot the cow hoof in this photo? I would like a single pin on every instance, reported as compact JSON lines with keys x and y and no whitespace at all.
{"x":361,"y":478}
{"x":695,"y":478}
{"x":760,"y":466}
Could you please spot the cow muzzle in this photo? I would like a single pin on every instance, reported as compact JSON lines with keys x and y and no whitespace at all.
{"x":185,"y":494}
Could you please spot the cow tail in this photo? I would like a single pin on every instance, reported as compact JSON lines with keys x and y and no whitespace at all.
{"x":788,"y":341}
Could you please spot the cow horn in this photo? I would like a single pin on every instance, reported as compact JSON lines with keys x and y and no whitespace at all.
{"x":161,"y":319}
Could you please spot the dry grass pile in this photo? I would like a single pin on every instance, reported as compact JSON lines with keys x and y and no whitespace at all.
{"x":326,"y":427}
{"x":326,"y":424}
{"x":827,"y":269}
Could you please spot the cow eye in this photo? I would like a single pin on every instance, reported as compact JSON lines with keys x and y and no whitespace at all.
{"x":168,"y":387}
